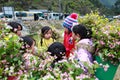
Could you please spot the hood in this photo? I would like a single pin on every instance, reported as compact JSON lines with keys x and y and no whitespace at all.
{"x":86,"y":44}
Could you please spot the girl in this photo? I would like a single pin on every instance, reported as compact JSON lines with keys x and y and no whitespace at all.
{"x":16,"y":28}
{"x":57,"y":50}
{"x":30,"y":60}
{"x":84,"y":48}
{"x":46,"y":37}
{"x":28,"y":44}
{"x":69,"y":43}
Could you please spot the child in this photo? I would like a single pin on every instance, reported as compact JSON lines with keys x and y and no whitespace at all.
{"x":28,"y":44}
{"x":46,"y":37}
{"x":16,"y":28}
{"x":84,"y":47}
{"x":30,"y":60}
{"x":69,"y":43}
{"x":58,"y":50}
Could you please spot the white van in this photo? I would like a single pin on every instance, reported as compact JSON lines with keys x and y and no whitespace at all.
{"x":1,"y":15}
{"x":25,"y":15}
{"x":54,"y":16}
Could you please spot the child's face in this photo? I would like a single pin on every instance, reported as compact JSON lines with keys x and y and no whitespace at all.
{"x":66,"y":30}
{"x":48,"y":35}
{"x":32,"y":47}
{"x":19,"y":31}
{"x":75,"y":36}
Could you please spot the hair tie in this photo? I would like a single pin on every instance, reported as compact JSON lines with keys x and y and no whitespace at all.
{"x":88,"y":32}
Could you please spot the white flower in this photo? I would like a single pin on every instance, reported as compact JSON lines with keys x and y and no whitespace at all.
{"x":61,"y":61}
{"x":95,"y":62}
{"x":12,"y":68}
{"x":10,"y":35}
{"x":6,"y":69}
{"x":101,"y":64}
{"x":106,"y":67}
{"x":8,"y":27}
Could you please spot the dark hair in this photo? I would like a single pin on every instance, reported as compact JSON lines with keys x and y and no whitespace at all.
{"x":82,"y":31}
{"x":57,"y":49}
{"x":14,"y":25}
{"x":44,"y":30}
{"x":27,"y":40}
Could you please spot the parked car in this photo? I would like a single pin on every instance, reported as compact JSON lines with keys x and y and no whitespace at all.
{"x":116,"y":17}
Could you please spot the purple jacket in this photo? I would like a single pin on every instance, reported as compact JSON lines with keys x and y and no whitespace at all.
{"x":84,"y":51}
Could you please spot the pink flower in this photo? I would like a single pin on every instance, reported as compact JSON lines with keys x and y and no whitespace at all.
{"x":119,"y":33}
{"x":64,"y":74}
{"x":20,"y":72}
{"x":112,"y":46}
{"x":23,"y":47}
{"x":82,"y":76}
{"x":118,"y":43}
{"x":102,"y":42}
{"x":15,"y":29}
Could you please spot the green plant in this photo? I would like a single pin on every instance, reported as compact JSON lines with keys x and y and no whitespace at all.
{"x":10,"y":57}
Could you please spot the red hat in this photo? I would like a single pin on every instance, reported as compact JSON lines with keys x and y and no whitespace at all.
{"x":74,"y":15}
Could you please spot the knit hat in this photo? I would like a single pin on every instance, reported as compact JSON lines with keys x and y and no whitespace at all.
{"x":70,"y":20}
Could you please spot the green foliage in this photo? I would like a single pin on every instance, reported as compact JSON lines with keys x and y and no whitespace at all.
{"x":116,"y":7}
{"x":10,"y":57}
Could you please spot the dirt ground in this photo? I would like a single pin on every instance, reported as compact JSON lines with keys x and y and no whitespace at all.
{"x":117,"y":75}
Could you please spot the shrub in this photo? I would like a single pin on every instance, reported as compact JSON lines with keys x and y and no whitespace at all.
{"x":106,"y":36}
{"x":10,"y":57}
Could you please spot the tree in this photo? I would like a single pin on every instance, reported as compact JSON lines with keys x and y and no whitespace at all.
{"x":117,"y":7}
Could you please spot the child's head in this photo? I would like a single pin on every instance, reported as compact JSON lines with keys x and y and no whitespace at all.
{"x":28,"y":43}
{"x":81,"y":31}
{"x":57,"y":49}
{"x":46,"y":32}
{"x":69,"y":21}
{"x":16,"y":28}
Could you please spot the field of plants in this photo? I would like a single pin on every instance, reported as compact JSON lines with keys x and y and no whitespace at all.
{"x":106,"y":38}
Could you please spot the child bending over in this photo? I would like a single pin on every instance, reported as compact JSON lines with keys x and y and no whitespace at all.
{"x":84,"y":47}
{"x":57,"y":50}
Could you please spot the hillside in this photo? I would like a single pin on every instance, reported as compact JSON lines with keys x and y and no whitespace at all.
{"x":108,"y":3}
{"x":65,"y":6}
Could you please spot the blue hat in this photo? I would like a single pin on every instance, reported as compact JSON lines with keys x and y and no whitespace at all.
{"x":70,"y":20}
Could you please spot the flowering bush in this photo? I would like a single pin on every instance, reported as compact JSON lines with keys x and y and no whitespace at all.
{"x":11,"y":62}
{"x":10,"y":59}
{"x":63,"y":70}
{"x":106,"y":36}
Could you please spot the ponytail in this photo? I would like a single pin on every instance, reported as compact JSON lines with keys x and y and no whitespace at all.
{"x":41,"y":41}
